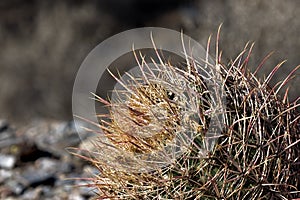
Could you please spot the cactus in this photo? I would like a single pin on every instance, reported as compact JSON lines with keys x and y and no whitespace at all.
{"x":155,"y":143}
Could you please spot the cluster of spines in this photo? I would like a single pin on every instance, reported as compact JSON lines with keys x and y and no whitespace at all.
{"x":257,"y":156}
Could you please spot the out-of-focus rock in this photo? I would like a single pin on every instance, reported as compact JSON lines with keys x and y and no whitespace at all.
{"x":15,"y":186}
{"x":54,"y":137}
{"x":7,"y":161}
{"x":8,"y":137}
{"x":4,"y":175}
{"x":44,"y":171}
{"x":32,"y":194}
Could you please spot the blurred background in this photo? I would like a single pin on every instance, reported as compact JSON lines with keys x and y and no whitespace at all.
{"x":44,"y":42}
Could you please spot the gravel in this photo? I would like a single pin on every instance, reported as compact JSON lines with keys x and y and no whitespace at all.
{"x":34,"y":162}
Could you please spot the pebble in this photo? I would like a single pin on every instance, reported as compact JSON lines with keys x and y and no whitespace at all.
{"x":32,"y":194}
{"x":5,"y":174}
{"x":55,"y":137}
{"x":7,"y":161}
{"x":15,"y":186}
{"x":42,"y":172}
{"x":8,"y":138}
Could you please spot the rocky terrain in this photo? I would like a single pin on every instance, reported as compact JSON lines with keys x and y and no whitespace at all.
{"x":35,"y":163}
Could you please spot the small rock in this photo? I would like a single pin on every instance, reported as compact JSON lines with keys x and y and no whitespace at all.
{"x":4,"y":175}
{"x":8,"y":138}
{"x":47,"y":164}
{"x":36,"y":177}
{"x":7,"y":161}
{"x":54,"y":137}
{"x":43,"y":172}
{"x":32,"y":194}
{"x":15,"y":187}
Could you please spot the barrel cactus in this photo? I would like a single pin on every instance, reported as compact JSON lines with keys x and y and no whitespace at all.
{"x":156,"y":143}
